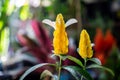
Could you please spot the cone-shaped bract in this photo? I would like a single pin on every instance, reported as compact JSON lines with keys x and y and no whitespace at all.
{"x":85,"y":48}
{"x":60,"y":41}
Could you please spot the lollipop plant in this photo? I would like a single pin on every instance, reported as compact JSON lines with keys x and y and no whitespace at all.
{"x":60,"y":45}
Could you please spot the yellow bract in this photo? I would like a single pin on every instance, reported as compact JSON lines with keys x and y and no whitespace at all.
{"x":85,"y":48}
{"x":60,"y":41}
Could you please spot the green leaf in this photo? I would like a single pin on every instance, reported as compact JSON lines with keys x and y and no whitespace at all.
{"x":4,"y":42}
{"x":73,"y":72}
{"x":34,"y":68}
{"x":95,"y":60}
{"x":63,"y":57}
{"x":76,"y":71}
{"x":77,"y":61}
{"x":24,"y":12}
{"x":1,"y":24}
{"x":101,"y":67}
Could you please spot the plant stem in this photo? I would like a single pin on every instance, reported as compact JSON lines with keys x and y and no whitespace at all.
{"x":85,"y":61}
{"x":59,"y":73}
{"x":59,"y":68}
{"x":81,"y":78}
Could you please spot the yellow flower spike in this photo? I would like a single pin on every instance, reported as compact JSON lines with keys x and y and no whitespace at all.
{"x":60,"y":41}
{"x":85,"y":48}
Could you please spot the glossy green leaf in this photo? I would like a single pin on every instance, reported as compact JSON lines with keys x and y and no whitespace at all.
{"x":63,"y":57}
{"x":24,"y":12}
{"x":34,"y":68}
{"x":76,"y":72}
{"x":4,"y":41}
{"x":10,"y":9}
{"x":100,"y":67}
{"x":77,"y":61}
{"x":1,"y":24}
{"x":95,"y":60}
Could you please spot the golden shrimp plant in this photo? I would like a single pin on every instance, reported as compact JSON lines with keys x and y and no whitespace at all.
{"x":60,"y":45}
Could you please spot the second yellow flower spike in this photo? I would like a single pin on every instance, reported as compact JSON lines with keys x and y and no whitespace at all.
{"x":85,"y":48}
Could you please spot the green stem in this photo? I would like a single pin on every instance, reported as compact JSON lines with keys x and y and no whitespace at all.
{"x":81,"y":78}
{"x":85,"y":61}
{"x":59,"y":68}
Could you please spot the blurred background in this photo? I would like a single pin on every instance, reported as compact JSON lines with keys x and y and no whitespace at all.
{"x":25,"y":41}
